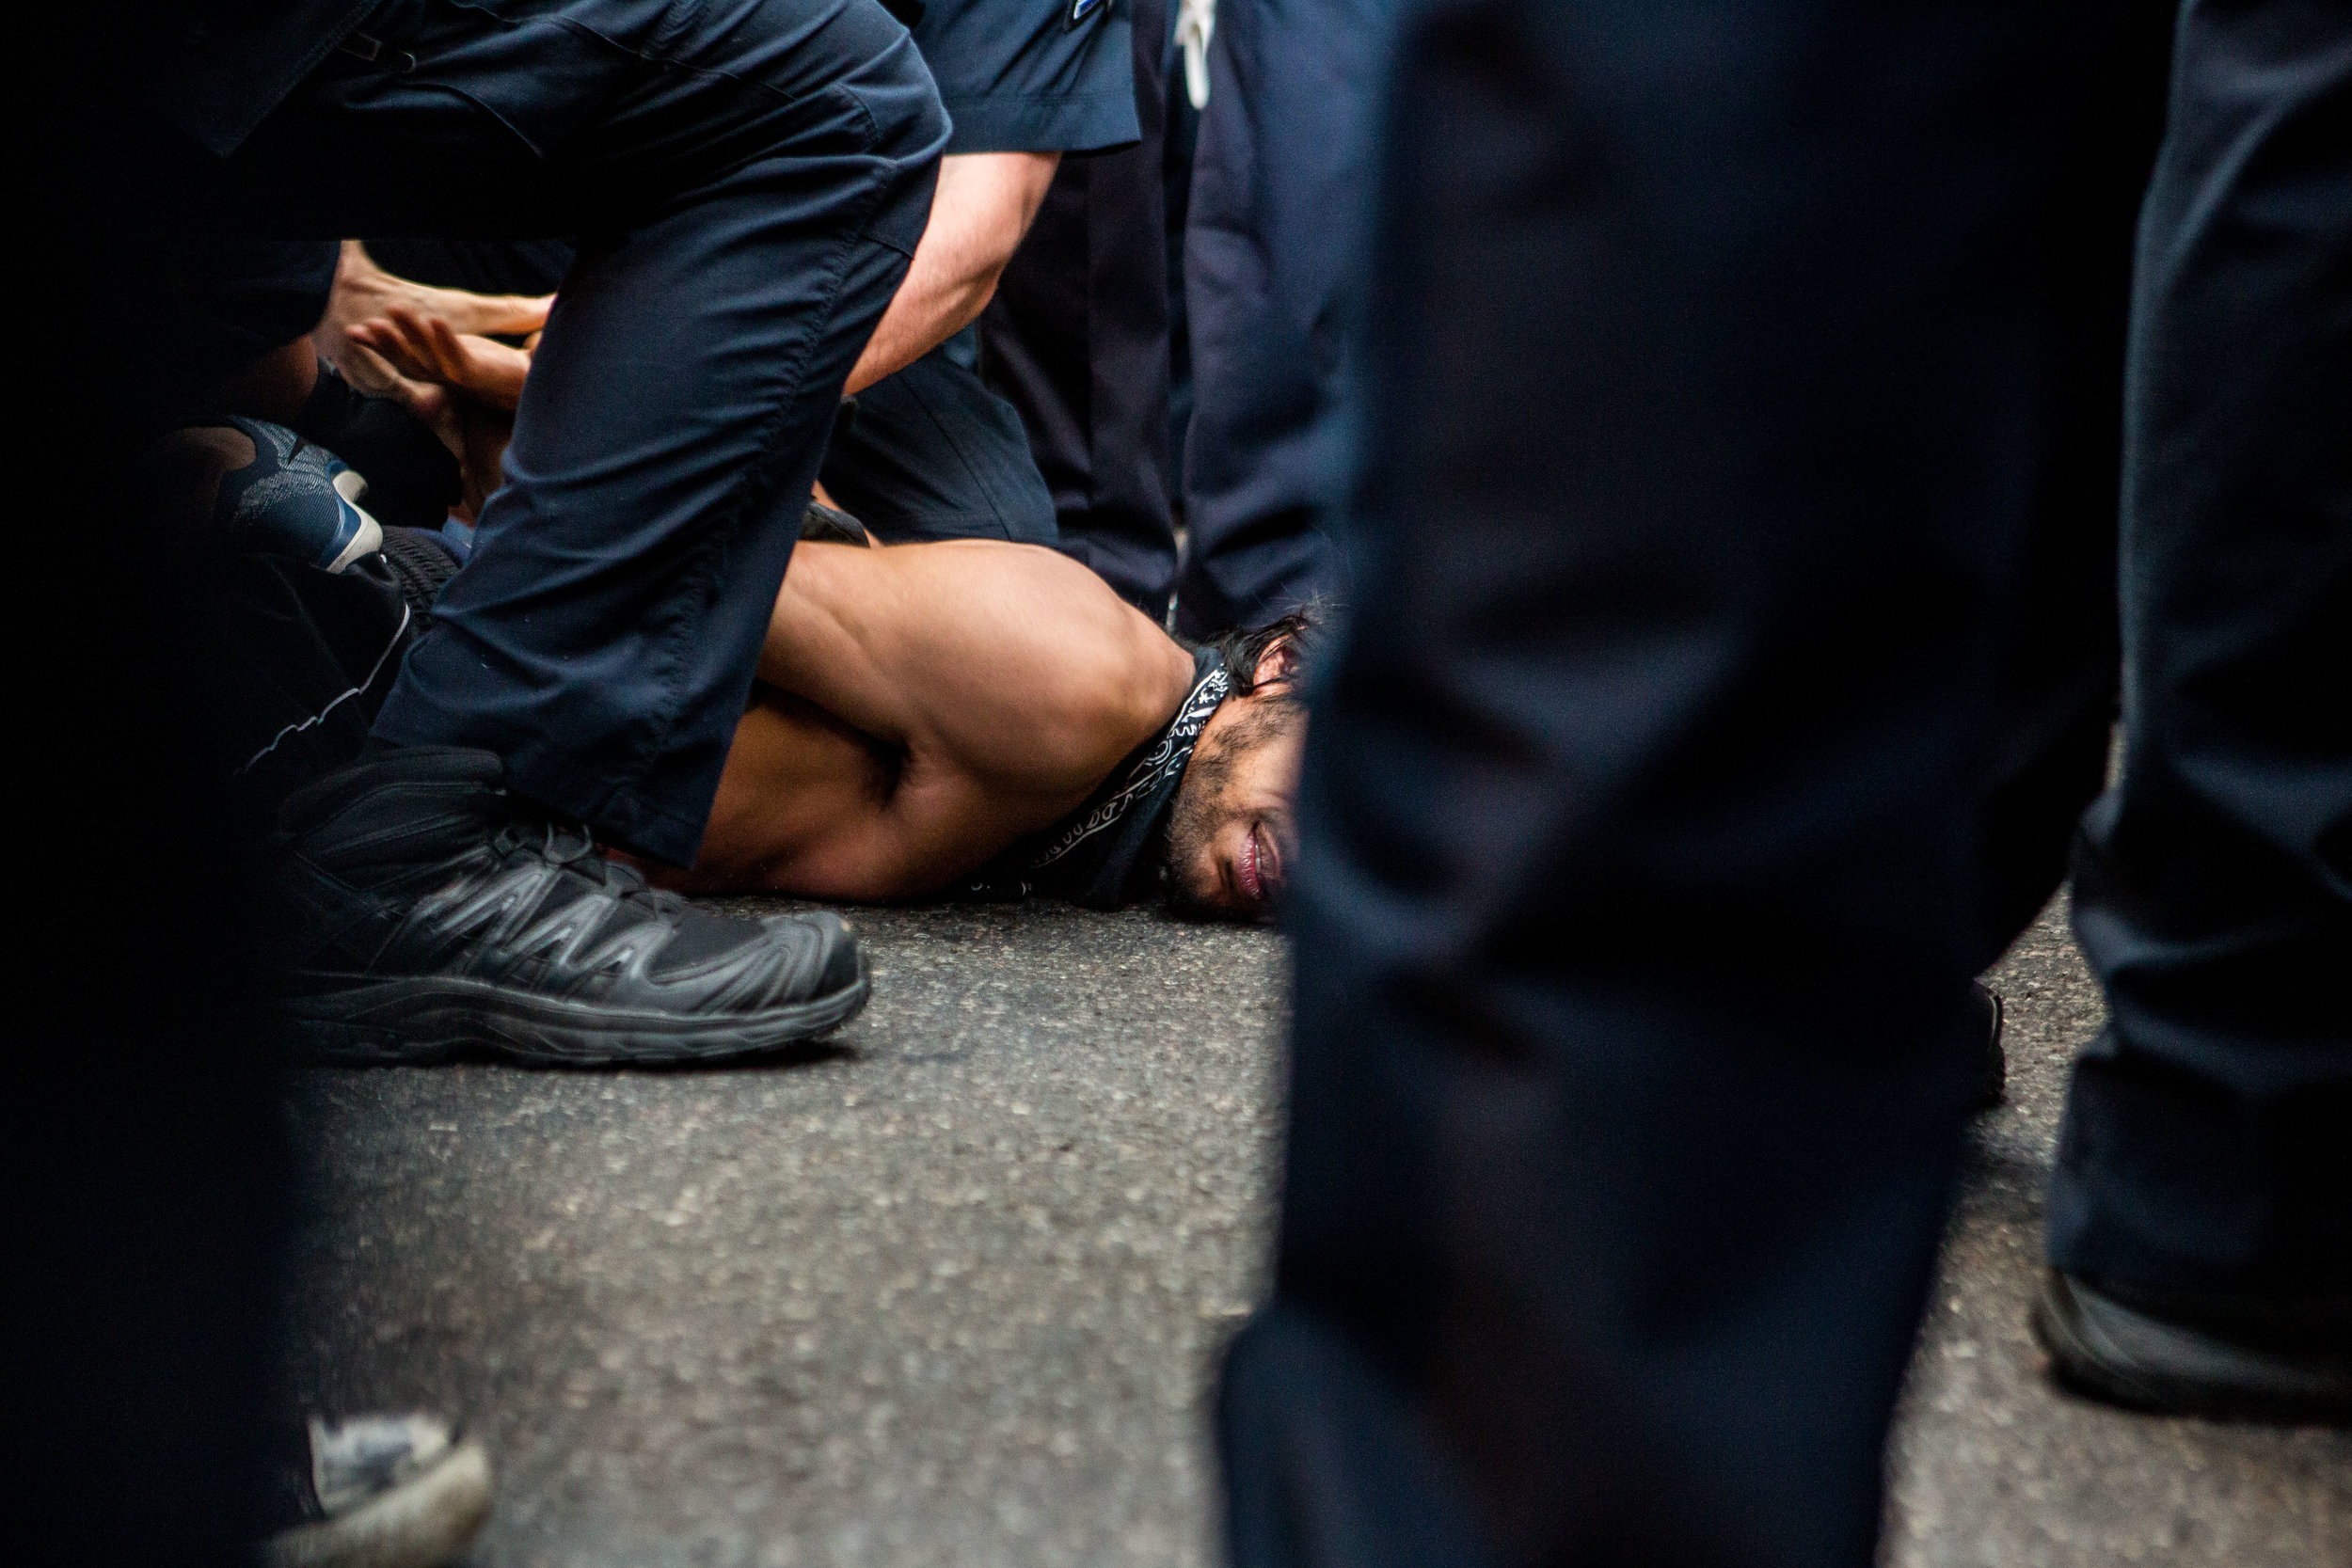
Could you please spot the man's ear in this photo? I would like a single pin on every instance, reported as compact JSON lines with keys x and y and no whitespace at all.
{"x":1278,"y":663}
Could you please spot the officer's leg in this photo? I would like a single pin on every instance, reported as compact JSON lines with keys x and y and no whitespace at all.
{"x":1282,"y":200}
{"x":2205,"y":1151}
{"x":748,"y":178}
{"x":603,"y":635}
{"x":1077,"y":339}
{"x":1704,"y":394}
{"x":2054,"y":691}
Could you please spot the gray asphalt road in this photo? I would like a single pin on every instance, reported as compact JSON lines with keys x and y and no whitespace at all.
{"x":948,"y":1292}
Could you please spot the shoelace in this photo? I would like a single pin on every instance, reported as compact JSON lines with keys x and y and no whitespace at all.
{"x":1195,"y":23}
{"x":554,"y":845}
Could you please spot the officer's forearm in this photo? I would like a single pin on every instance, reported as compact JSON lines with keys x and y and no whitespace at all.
{"x":981,"y":209}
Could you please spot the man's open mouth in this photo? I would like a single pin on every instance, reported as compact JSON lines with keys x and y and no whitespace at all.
{"x":1246,"y":876}
{"x":1258,"y":871}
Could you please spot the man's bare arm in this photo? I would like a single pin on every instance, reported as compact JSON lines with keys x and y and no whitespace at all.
{"x":926,"y":706}
{"x":982,"y":207}
{"x":812,"y":807}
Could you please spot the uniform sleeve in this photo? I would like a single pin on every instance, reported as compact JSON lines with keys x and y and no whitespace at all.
{"x":1020,"y":76}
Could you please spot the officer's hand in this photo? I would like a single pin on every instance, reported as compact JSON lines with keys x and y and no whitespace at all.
{"x":429,"y":349}
{"x":364,"y":291}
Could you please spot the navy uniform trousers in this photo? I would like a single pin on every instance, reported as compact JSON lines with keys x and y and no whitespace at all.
{"x":1280,"y":200}
{"x":930,"y":453}
{"x":1721,"y":386}
{"x":1077,"y":340}
{"x":2207,"y":1147}
{"x":748,"y":181}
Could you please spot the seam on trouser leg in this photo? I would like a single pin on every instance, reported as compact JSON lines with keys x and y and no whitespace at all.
{"x":703,"y":575}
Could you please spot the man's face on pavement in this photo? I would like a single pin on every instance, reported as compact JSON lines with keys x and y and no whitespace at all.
{"x":1233,"y":836}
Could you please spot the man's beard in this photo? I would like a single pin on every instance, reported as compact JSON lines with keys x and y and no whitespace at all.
{"x":1192,"y":824}
{"x":1200,"y":809}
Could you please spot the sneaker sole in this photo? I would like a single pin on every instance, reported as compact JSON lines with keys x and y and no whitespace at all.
{"x":366,"y":540}
{"x":421,"y":1021}
{"x":422,"y":1523}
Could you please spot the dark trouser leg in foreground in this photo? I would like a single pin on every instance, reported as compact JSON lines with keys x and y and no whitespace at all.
{"x":748,"y":180}
{"x":2205,"y":1166}
{"x":1707,"y":398}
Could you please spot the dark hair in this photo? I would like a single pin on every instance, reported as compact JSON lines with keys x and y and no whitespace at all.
{"x":1241,"y":648}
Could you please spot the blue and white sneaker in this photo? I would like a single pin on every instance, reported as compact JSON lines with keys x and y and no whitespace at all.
{"x":293,"y":499}
{"x":373,"y":1492}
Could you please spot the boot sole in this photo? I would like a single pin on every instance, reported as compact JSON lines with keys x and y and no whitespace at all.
{"x":430,"y":1019}
{"x":2110,"y":1352}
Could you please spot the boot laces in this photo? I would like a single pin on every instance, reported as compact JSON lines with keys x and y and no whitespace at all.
{"x":572,"y":847}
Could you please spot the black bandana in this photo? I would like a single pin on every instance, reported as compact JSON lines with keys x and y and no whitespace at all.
{"x":1100,"y":856}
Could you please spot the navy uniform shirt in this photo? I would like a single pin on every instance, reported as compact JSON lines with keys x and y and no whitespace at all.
{"x":1023,"y":76}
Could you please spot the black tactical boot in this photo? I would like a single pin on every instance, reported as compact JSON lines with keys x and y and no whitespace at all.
{"x":426,"y":910}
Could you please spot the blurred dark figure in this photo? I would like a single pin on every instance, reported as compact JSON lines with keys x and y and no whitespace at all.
{"x":1694,"y":738}
{"x":141,"y":1155}
{"x":2201,"y":1216}
{"x":141,"y":1149}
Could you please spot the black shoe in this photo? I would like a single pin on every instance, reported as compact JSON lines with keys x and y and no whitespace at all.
{"x":377,"y":1492}
{"x":1984,"y":1011}
{"x":426,"y":910}
{"x":2250,"y":1358}
{"x":830,"y":525}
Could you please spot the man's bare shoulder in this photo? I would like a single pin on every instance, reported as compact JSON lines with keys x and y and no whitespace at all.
{"x":930,"y":704}
{"x":1011,"y":662}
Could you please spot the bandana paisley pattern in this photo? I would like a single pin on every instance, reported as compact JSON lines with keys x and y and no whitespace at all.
{"x":1096,"y":856}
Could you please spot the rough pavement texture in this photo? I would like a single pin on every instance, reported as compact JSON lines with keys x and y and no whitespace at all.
{"x":949,"y":1293}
